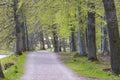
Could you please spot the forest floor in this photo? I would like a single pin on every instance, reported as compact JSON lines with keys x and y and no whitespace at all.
{"x":91,"y":70}
{"x":45,"y":65}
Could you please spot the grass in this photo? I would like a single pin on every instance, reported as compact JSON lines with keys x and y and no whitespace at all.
{"x":4,"y":51}
{"x":15,"y":71}
{"x":84,"y":67}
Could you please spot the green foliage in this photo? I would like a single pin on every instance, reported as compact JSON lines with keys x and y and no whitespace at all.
{"x":45,"y":13}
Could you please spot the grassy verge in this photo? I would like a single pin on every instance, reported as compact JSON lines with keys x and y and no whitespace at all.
{"x":15,"y":71}
{"x":84,"y":67}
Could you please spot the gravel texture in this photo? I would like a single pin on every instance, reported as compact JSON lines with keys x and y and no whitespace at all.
{"x":45,"y":65}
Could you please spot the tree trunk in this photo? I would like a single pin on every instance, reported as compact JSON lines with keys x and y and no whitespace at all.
{"x":23,"y":36}
{"x":91,"y":34}
{"x":72,"y":40}
{"x":104,"y":41}
{"x":26,"y":35}
{"x":81,"y":38}
{"x":113,"y":32}
{"x":42,"y":43}
{"x":60,"y":45}
{"x":31,"y":42}
{"x":18,"y":34}
{"x":64,"y":45}
{"x":24,"y":31}
{"x":55,"y":42}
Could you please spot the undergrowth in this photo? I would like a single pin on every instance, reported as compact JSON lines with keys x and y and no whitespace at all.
{"x":15,"y":71}
{"x":84,"y":67}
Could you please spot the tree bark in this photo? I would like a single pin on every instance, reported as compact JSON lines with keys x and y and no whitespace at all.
{"x":72,"y":40}
{"x":104,"y":41}
{"x":26,"y":35}
{"x":91,"y":33}
{"x":60,"y":45}
{"x":42,"y":43}
{"x":113,"y":32}
{"x":81,"y":38}
{"x":64,"y":45}
{"x":55,"y":42}
{"x":18,"y":33}
{"x":23,"y":36}
{"x":31,"y":42}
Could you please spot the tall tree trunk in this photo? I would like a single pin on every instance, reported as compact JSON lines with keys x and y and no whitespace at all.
{"x":64,"y":45}
{"x":113,"y":32}
{"x":42,"y":43}
{"x":60,"y":45}
{"x":31,"y":42}
{"x":17,"y":28}
{"x":81,"y":43}
{"x":23,"y":36}
{"x":1,"y":73}
{"x":72,"y":40}
{"x":104,"y":41}
{"x":91,"y":33}
{"x":55,"y":42}
{"x":26,"y":35}
{"x":81,"y":38}
{"x":24,"y":31}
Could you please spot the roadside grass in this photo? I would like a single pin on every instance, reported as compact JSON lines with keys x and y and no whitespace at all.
{"x":15,"y":71}
{"x":82,"y":66}
{"x":4,"y":52}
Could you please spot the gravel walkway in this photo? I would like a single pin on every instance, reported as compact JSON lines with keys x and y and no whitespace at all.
{"x":44,"y":65}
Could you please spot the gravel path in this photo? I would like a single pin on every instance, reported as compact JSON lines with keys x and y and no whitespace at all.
{"x":45,"y":65}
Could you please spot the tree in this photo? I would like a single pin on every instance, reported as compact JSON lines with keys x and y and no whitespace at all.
{"x":18,"y":34}
{"x":91,"y":33}
{"x":104,"y":43}
{"x":42,"y":43}
{"x":20,"y":27}
{"x":81,"y":35}
{"x":55,"y":39}
{"x":72,"y":40}
{"x":113,"y":32}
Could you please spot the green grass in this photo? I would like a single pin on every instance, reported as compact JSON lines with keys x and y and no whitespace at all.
{"x":84,"y":67}
{"x":15,"y":71}
{"x":4,"y":51}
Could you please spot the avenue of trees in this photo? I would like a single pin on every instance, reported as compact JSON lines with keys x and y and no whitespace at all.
{"x":86,"y":27}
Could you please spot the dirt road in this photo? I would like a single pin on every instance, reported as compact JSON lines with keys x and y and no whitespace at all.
{"x":45,"y":65}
